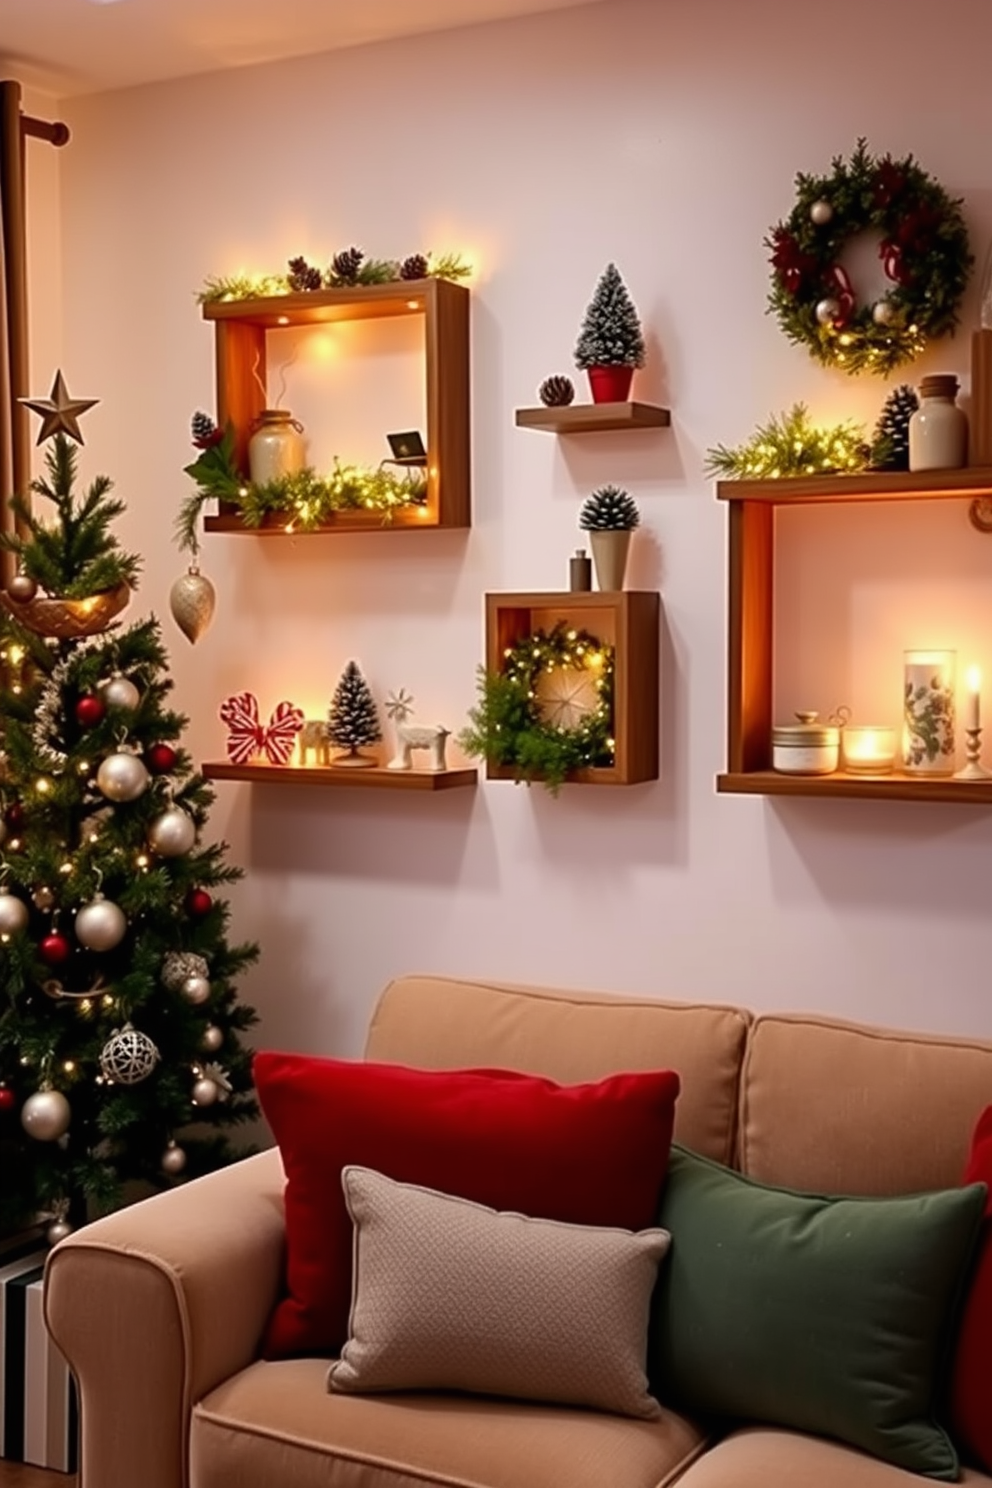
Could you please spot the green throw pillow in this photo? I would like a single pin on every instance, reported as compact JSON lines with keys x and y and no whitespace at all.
{"x":828,"y":1315}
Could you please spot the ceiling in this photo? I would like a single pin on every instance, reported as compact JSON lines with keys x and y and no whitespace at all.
{"x":72,"y":47}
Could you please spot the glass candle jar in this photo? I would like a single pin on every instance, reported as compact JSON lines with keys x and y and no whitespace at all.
{"x":928,"y":712}
{"x":869,"y":749}
{"x":276,"y":446}
{"x":938,"y":430}
{"x":806,"y":747}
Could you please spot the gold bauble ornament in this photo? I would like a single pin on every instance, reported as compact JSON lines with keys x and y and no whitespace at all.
{"x":192,"y":599}
{"x":22,"y":588}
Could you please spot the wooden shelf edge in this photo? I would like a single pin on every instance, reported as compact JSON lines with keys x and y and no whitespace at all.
{"x":856,"y":787}
{"x":348,"y":522}
{"x":374,"y":777}
{"x":885,"y":485}
{"x":396,"y":297}
{"x":603,"y":775}
{"x":589,"y":418}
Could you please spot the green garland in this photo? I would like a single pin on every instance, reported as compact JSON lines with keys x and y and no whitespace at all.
{"x":507,"y":726}
{"x":789,"y":445}
{"x":924,"y":249}
{"x":230,"y":287}
{"x":306,"y":499}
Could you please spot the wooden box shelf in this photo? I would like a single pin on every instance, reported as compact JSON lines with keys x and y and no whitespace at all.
{"x":750,"y":671}
{"x":628,"y":620}
{"x":593,"y":418}
{"x":241,"y":328}
{"x":376,"y":777}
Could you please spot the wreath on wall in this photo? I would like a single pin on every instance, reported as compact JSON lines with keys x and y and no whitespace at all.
{"x":924,"y":251}
{"x":549,"y":710}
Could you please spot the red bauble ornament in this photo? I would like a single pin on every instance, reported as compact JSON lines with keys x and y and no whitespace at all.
{"x":198,"y":902}
{"x":161,"y":758}
{"x":14,"y":815}
{"x":8,"y":1100}
{"x":55,"y":949}
{"x":90,"y":710}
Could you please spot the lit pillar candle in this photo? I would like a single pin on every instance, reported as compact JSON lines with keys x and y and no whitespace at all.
{"x":972,"y":712}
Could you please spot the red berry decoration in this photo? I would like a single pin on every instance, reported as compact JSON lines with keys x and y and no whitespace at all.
{"x":55,"y":949}
{"x":14,"y":815}
{"x":90,"y":710}
{"x":161,"y":758}
{"x":198,"y":903}
{"x":8,"y":1100}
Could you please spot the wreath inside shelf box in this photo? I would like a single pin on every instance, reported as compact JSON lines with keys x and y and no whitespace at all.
{"x":549,"y":711}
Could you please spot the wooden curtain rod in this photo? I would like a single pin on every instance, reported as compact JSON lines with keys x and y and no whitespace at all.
{"x":55,"y":134}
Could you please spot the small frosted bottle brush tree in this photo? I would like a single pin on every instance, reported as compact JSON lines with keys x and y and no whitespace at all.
{"x":352,"y":720}
{"x":121,"y":1059}
{"x":610,"y":338}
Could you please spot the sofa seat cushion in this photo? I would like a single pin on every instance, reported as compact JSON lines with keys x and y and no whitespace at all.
{"x":275,"y":1423}
{"x":758,"y":1457}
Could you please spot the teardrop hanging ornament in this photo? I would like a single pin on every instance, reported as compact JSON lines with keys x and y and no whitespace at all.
{"x":192,"y":599}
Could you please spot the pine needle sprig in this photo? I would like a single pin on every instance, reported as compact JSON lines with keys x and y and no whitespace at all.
{"x":789,"y":444}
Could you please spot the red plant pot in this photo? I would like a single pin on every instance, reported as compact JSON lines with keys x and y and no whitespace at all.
{"x":610,"y":384}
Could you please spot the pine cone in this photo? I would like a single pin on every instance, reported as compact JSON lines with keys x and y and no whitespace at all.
{"x":204,"y":431}
{"x":556,"y":392}
{"x":414,"y":267}
{"x":890,"y":445}
{"x":609,"y":510}
{"x":303,"y":275}
{"x":345,"y":265}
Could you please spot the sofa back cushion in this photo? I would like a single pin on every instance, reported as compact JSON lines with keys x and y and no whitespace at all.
{"x":442,"y":1023}
{"x":846,"y":1108}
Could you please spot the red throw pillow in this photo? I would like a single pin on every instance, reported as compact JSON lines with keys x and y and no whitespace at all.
{"x":971,"y":1377}
{"x":587,"y":1154}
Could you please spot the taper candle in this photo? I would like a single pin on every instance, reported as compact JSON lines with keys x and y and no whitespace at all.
{"x":972,"y":710}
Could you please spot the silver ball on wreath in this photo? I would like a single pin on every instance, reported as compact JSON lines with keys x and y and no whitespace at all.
{"x":43,"y":898}
{"x":13,"y":913}
{"x":173,"y":833}
{"x":178,"y":965}
{"x":122,"y":777}
{"x":173,"y":1160}
{"x":827,"y":311}
{"x":882,"y":312}
{"x":120,"y":692}
{"x":205,"y":1092}
{"x":58,"y":1230}
{"x":212,"y":1038}
{"x":196,"y":989}
{"x":128,"y":1056}
{"x":192,"y":599}
{"x":821,"y":212}
{"x":100,"y":925}
{"x":22,"y":588}
{"x":46,"y":1115}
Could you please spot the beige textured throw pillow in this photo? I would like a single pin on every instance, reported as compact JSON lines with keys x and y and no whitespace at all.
{"x":451,"y":1295}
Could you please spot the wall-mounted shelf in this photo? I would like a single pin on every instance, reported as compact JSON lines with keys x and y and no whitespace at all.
{"x":751,"y":581}
{"x":241,"y":329}
{"x":627,"y":620}
{"x":375,"y":777}
{"x":593,"y":418}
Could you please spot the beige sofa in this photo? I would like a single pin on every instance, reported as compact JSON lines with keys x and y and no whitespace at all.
{"x":159,"y":1308}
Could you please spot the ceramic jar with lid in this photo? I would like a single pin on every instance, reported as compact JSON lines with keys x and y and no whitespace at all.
{"x":276,"y":446}
{"x":806,"y":747}
{"x":938,"y":430}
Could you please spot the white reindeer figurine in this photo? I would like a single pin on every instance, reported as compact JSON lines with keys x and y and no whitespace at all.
{"x":399,"y":707}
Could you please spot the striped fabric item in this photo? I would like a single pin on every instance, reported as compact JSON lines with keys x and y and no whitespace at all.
{"x":38,"y":1416}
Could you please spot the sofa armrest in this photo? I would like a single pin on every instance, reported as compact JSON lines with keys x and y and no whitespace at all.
{"x":156,"y":1304}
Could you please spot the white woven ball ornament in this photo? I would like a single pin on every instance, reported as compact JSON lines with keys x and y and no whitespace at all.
{"x":173,"y":833}
{"x":827,"y":310}
{"x":212,"y":1038}
{"x":173,"y":1159}
{"x":196,"y":989}
{"x":58,"y":1230}
{"x":205,"y":1093}
{"x":100,"y":925}
{"x":821,"y":212}
{"x":128,"y":1056}
{"x":178,"y":965}
{"x":120,"y":692}
{"x":46,"y":1115}
{"x":13,"y":913}
{"x":122,"y":777}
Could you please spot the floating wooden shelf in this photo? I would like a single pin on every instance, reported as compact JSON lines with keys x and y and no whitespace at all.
{"x":627,"y":620}
{"x":403,"y":519}
{"x":241,"y":328}
{"x":751,"y":581}
{"x":375,"y":777}
{"x":592,"y":418}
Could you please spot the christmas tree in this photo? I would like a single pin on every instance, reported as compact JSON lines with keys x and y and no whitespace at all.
{"x":352,"y":719}
{"x":121,"y":1061}
{"x":611,"y":333}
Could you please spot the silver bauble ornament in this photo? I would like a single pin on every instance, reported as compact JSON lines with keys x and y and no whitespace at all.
{"x":212,"y":1038}
{"x":122,"y":777}
{"x":192,"y":599}
{"x":827,"y":311}
{"x":196,"y":989}
{"x":205,"y":1092}
{"x":821,"y":212}
{"x":13,"y":913}
{"x":128,"y":1057}
{"x":58,"y":1230}
{"x":178,"y":965}
{"x":173,"y":1160}
{"x":173,"y":833}
{"x":43,"y":898}
{"x":100,"y":925}
{"x":120,"y":692}
{"x":882,"y":312}
{"x":22,"y":588}
{"x":46,"y":1115}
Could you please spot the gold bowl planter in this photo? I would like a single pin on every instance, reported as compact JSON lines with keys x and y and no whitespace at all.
{"x":66,"y":619}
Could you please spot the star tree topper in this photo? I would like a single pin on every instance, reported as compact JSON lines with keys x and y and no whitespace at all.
{"x":60,"y":414}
